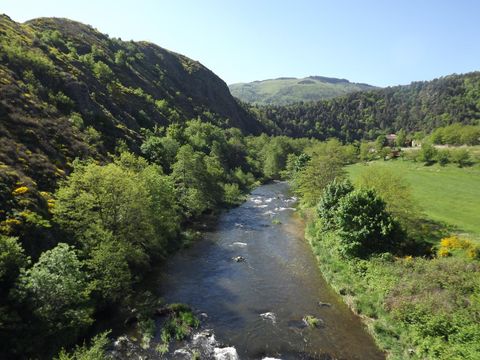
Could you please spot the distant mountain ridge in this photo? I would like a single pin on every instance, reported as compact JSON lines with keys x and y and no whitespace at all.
{"x":288,"y":90}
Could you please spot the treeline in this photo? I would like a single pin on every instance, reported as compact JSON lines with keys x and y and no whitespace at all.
{"x":420,"y":106}
{"x":456,"y":134}
{"x":107,"y":223}
{"x":376,"y":248}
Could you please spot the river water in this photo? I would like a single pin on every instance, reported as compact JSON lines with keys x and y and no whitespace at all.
{"x":255,"y":306}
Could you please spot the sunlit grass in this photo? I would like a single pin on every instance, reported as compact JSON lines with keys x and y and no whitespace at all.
{"x":449,"y":194}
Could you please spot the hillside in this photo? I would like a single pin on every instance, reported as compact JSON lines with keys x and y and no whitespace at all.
{"x":420,"y":106}
{"x":67,"y":90}
{"x":287,"y":90}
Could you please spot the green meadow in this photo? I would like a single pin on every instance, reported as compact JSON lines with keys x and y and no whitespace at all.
{"x":450,"y":195}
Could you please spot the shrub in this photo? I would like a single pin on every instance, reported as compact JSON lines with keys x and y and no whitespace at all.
{"x":455,"y":245}
{"x":96,"y":351}
{"x":20,"y":190}
{"x":364,"y":225}
{"x":443,"y":157}
{"x":102,"y":72}
{"x":461,"y":157}
{"x":232,"y":194}
{"x":427,"y":154}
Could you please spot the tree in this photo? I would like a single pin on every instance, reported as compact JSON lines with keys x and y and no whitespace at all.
{"x":191,"y":180}
{"x":380,"y":142}
{"x":366,"y":153}
{"x":364,"y":225}
{"x":108,"y":268}
{"x":57,"y":289}
{"x":107,"y":199}
{"x":163,"y":208}
{"x":201,"y":135}
{"x":394,"y":190}
{"x":331,"y":196}
{"x":320,"y":171}
{"x":12,"y":260}
{"x":161,"y":151}
{"x":274,"y":156}
{"x":401,"y":139}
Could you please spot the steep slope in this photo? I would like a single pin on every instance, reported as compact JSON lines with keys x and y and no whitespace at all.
{"x":420,"y":106}
{"x":286,"y":90}
{"x":67,"y":91}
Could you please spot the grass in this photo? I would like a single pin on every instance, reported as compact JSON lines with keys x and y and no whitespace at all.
{"x":312,"y":321}
{"x":416,"y":308}
{"x":446,"y":194}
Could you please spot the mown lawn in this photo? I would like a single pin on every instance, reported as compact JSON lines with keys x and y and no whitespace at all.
{"x":446,"y":194}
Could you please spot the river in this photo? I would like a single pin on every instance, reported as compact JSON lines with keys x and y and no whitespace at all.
{"x":256,"y":305}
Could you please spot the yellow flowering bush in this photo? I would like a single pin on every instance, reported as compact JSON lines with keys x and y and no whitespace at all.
{"x":20,"y":190}
{"x":455,"y":244}
{"x":51,"y":203}
{"x":12,"y":222}
{"x":444,"y":252}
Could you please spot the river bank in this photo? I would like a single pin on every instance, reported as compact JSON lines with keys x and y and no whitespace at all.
{"x":253,"y":280}
{"x":415,"y":308}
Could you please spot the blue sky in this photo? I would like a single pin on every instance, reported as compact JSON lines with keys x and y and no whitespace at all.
{"x":378,"y":42}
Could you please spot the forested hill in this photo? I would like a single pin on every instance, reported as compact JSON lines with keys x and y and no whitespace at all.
{"x":67,"y":90}
{"x":287,"y":90}
{"x":420,"y":106}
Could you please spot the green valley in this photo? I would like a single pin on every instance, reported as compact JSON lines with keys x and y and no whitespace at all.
{"x":132,"y":176}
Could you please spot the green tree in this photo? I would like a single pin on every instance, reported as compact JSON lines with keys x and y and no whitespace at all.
{"x":120,"y":57}
{"x":320,"y":171}
{"x":160,"y":150}
{"x":109,"y":272}
{"x":401,"y":139}
{"x":364,"y":225}
{"x":366,"y":153}
{"x":275,"y":156}
{"x":192,"y":182}
{"x":443,"y":157}
{"x":57,"y":288}
{"x":331,"y":196}
{"x":107,"y":199}
{"x":394,"y":189}
{"x":12,"y":260}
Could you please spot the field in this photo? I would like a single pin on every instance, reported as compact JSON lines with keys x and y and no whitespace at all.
{"x":449,"y":194}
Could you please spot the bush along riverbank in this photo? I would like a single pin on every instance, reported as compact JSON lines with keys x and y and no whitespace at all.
{"x":415,"y":285}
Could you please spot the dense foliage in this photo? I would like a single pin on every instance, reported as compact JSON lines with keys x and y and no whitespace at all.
{"x":420,"y":106}
{"x":108,"y":223}
{"x":369,"y":240}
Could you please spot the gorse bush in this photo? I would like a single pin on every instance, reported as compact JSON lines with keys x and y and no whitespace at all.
{"x":455,"y":245}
